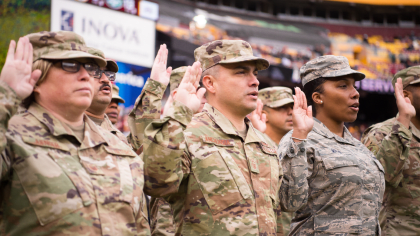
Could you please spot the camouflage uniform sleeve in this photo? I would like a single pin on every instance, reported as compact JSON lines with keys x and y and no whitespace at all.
{"x":8,"y":107}
{"x":294,"y":187}
{"x":166,"y":158}
{"x":146,"y":109}
{"x":391,"y":149}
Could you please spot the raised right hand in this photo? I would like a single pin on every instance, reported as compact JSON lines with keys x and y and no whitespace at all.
{"x":302,"y":116}
{"x":187,"y":92}
{"x":405,"y":109}
{"x":159,"y":71}
{"x":17,"y":71}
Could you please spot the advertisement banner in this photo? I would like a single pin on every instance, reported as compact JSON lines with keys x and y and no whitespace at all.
{"x":122,"y":37}
{"x":131,"y":79}
{"x":129,"y":6}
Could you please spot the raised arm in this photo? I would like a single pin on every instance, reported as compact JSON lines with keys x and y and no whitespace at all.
{"x":165,"y":156}
{"x":292,"y":152}
{"x":17,"y":81}
{"x":391,"y":145}
{"x":149,"y":103}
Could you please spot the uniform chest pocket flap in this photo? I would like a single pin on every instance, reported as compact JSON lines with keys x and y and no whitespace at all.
{"x":50,"y":191}
{"x":337,"y":225}
{"x":111,"y":173}
{"x":333,"y":160}
{"x":221,"y":181}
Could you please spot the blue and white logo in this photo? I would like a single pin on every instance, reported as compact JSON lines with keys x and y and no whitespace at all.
{"x":67,"y":20}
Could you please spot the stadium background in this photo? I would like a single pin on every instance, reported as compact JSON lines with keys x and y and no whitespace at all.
{"x":379,"y":38}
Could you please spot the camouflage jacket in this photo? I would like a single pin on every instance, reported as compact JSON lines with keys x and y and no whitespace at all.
{"x":223,"y":184}
{"x":161,"y":218}
{"x":283,"y":218}
{"x":398,"y":149}
{"x":107,"y":125}
{"x":50,"y":186}
{"x":146,"y":109}
{"x":334,"y":184}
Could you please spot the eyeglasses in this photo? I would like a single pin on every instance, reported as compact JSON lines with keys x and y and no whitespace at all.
{"x":110,"y":74}
{"x":91,"y":68}
{"x":74,"y":67}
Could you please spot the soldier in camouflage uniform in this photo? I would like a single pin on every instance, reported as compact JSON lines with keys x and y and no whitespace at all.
{"x":60,"y":173}
{"x":332,"y":181}
{"x":113,"y":110}
{"x":396,"y":144}
{"x":102,"y":98}
{"x":222,"y":171}
{"x":278,"y":106}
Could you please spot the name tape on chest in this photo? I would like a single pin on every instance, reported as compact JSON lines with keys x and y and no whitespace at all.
{"x":218,"y":141}
{"x":44,"y":143}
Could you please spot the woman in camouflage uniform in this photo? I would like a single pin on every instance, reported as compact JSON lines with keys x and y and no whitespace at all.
{"x":60,"y":173}
{"x":332,"y":181}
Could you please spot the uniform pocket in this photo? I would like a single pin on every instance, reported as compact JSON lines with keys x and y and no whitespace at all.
{"x":337,"y":225}
{"x":221,"y":181}
{"x":51,"y":192}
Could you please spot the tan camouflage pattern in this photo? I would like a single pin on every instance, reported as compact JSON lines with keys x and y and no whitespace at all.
{"x":116,"y":94}
{"x":328,"y":66}
{"x":147,"y":108}
{"x":111,"y":65}
{"x":176,"y":77}
{"x":226,"y":52}
{"x":334,"y":184}
{"x":397,"y":148}
{"x":63,"y":45}
{"x":410,"y":75}
{"x":161,"y":218}
{"x":52,"y":186}
{"x":219,"y":183}
{"x":283,"y":218}
{"x":276,"y":96}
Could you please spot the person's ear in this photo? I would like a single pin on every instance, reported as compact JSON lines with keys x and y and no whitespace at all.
{"x":266,"y":115}
{"x":317,"y":98}
{"x":173,"y":94}
{"x":209,"y":83}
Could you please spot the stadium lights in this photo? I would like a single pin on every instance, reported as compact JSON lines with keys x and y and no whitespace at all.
{"x":200,"y":21}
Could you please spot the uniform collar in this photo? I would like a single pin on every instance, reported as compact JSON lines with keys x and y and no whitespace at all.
{"x":415,"y":131}
{"x":107,"y":125}
{"x":93,"y":136}
{"x":227,"y":127}
{"x":321,"y":129}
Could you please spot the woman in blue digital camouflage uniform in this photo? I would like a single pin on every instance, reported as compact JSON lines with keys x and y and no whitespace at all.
{"x":332,"y":181}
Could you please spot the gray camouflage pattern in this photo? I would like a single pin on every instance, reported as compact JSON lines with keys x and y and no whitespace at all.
{"x":327,"y":67}
{"x":334,"y":184}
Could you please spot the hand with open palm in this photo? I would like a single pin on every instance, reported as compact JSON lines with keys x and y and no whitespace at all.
{"x":17,"y":70}
{"x":187,"y":92}
{"x":159,"y":71}
{"x":258,"y":118}
{"x":303,"y":121}
{"x":405,"y":109}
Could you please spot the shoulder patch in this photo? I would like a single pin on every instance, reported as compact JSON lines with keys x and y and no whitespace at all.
{"x":218,"y":141}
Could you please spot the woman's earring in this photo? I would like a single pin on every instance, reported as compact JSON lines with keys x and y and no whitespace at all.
{"x":322,"y":101}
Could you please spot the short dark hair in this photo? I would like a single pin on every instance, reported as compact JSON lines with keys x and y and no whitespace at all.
{"x":312,"y":87}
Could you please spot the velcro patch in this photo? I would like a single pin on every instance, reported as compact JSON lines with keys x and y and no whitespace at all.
{"x":44,"y":143}
{"x":218,"y":141}
{"x":120,"y":152}
{"x":268,"y":149}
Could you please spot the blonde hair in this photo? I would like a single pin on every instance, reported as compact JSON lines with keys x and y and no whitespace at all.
{"x":44,"y":66}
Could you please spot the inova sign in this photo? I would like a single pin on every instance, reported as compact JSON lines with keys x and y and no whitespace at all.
{"x":121,"y":36}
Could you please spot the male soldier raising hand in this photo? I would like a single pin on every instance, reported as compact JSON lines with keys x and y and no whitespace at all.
{"x":218,"y":165}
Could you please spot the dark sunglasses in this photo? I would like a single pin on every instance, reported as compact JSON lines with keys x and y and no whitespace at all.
{"x":91,"y":68}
